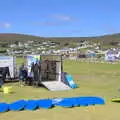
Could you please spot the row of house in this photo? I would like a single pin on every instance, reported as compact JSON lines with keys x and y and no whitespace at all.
{"x":49,"y":47}
{"x":32,"y":44}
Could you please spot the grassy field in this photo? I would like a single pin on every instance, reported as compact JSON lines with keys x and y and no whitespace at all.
{"x":93,"y":79}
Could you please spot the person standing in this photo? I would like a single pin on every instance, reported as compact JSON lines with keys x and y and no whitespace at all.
{"x":36,"y":74}
{"x":22,"y":74}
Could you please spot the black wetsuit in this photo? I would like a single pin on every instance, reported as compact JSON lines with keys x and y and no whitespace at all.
{"x":36,"y":73}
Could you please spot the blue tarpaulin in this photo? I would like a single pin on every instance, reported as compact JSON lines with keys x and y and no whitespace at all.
{"x":79,"y":101}
{"x":4,"y":107}
{"x":45,"y":103}
{"x":65,"y":103}
{"x":49,"y":103}
{"x":31,"y":105}
{"x":18,"y":105}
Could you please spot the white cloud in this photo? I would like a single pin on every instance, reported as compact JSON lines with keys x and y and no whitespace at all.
{"x":62,"y":17}
{"x":54,"y":21}
{"x":5,"y":25}
{"x":47,"y":23}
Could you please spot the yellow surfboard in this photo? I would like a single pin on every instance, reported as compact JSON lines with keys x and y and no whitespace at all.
{"x":115,"y":99}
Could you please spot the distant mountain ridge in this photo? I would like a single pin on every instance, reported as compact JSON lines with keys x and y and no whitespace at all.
{"x":11,"y":37}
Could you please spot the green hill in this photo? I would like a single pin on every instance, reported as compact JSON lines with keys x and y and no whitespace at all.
{"x":106,"y":39}
{"x":17,"y":37}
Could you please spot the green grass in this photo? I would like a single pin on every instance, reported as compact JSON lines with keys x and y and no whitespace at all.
{"x":93,"y":79}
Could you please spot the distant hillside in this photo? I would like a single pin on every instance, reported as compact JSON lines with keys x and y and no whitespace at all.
{"x":20,"y":37}
{"x":106,"y":39}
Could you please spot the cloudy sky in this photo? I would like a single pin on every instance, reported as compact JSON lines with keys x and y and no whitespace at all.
{"x":60,"y":18}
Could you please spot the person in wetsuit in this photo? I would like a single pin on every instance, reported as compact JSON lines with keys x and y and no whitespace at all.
{"x":36,"y":73}
{"x":23,"y":74}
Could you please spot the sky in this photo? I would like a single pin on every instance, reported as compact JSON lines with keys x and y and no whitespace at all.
{"x":60,"y":18}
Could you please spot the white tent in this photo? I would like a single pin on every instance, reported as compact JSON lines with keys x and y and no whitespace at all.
{"x":10,"y":62}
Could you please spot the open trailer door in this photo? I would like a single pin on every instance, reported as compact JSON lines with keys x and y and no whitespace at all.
{"x":51,"y":68}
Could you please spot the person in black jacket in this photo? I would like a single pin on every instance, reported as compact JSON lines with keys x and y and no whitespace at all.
{"x":36,"y":73}
{"x":23,"y":74}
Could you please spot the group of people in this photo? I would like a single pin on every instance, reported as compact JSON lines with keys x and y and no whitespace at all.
{"x":24,"y":77}
{"x":32,"y":78}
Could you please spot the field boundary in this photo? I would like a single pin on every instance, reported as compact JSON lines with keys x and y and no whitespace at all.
{"x":94,"y":61}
